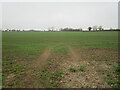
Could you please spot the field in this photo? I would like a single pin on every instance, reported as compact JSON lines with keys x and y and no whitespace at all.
{"x":60,"y":59}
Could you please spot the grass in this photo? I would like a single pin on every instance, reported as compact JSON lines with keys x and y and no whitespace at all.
{"x":50,"y":79}
{"x":19,"y":48}
{"x":103,"y":57}
{"x":108,"y":40}
{"x":113,"y":77}
{"x":108,"y":63}
{"x":73,"y":70}
{"x":82,"y":68}
{"x":18,"y":69}
{"x":60,"y":49}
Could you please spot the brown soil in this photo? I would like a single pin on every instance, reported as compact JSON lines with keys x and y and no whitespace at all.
{"x":44,"y":56}
{"x":30,"y":77}
{"x":91,"y":77}
{"x":74,"y":55}
{"x":10,"y":79}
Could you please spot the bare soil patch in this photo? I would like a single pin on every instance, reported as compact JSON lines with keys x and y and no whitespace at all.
{"x":96,"y":64}
{"x":29,"y":78}
{"x":95,"y":70}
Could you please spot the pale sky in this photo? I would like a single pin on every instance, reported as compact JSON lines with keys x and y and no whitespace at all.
{"x":42,"y":15}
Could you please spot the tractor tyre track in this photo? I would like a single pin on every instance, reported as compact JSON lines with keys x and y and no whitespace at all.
{"x":30,"y":79}
{"x":89,"y":78}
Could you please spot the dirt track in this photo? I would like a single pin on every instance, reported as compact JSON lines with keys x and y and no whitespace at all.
{"x":90,"y":78}
{"x":87,"y":79}
{"x":31,"y":77}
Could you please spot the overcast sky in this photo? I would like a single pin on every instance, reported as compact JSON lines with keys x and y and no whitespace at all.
{"x":25,"y":15}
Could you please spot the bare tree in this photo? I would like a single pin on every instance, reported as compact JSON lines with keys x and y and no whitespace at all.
{"x":95,"y":28}
{"x":80,"y":29}
{"x":100,"y":28}
{"x":52,"y":28}
{"x":89,"y":28}
{"x":49,"y":29}
{"x":111,"y":29}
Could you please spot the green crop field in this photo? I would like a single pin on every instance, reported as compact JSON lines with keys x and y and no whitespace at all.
{"x":60,"y":59}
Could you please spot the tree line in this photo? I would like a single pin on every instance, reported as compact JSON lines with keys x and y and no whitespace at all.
{"x":52,"y":29}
